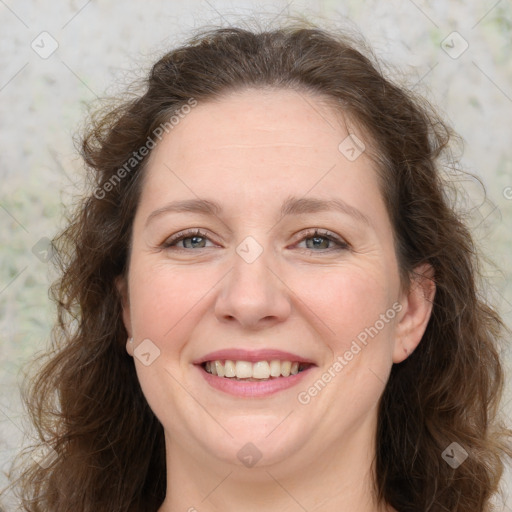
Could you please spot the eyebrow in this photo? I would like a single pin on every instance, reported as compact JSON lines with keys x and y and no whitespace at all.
{"x":291,"y":206}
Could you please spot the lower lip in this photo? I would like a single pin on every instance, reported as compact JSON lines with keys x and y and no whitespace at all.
{"x":253,"y":389}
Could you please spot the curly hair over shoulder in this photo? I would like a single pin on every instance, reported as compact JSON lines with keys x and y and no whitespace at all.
{"x":86,"y":402}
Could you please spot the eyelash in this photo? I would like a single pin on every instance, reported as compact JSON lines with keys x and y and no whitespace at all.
{"x":316,"y":233}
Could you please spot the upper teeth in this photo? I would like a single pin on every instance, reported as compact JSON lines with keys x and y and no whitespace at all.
{"x":247,"y":370}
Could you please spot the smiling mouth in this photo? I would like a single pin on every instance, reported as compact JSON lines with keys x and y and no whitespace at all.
{"x":254,"y":372}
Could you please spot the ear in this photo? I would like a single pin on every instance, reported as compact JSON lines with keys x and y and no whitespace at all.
{"x":417,"y":305}
{"x":122,"y":288}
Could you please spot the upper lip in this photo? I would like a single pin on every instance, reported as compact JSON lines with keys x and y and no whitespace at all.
{"x":239,"y":354}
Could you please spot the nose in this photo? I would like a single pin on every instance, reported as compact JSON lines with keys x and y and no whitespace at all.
{"x":253,"y":294}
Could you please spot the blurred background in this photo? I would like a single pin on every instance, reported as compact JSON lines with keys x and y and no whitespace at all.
{"x":58,"y":57}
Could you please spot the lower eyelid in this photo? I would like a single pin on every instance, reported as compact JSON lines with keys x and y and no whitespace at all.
{"x":338,"y":245}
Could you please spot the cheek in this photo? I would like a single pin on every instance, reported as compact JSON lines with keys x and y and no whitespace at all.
{"x":356,"y":307}
{"x":160,"y":297}
{"x":346,"y":300}
{"x":338,"y":301}
{"x":164,"y":307}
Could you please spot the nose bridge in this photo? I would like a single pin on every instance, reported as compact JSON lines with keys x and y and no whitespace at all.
{"x":252,"y":292}
{"x":251,"y":262}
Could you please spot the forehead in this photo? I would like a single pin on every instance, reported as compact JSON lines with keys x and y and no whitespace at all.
{"x":264,"y":126}
{"x":262,"y":118}
{"x":255,"y":147}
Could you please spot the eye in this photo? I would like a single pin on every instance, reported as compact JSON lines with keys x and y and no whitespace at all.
{"x":321,"y":239}
{"x":197,"y":239}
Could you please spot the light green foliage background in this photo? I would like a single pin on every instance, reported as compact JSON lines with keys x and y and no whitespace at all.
{"x":42,"y":103}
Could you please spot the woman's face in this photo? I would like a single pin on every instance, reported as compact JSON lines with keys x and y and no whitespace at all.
{"x":258,"y":288}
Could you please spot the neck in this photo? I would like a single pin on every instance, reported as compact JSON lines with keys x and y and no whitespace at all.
{"x":337,"y":480}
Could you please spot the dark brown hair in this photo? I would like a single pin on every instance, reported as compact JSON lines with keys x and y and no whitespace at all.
{"x":86,"y":401}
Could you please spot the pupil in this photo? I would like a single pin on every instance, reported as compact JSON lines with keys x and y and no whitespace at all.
{"x":318,"y":240}
{"x":194,"y":239}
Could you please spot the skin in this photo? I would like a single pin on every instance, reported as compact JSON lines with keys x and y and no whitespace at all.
{"x":249,"y":151}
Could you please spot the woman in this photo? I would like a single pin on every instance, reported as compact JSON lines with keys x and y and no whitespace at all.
{"x":267,"y":301}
